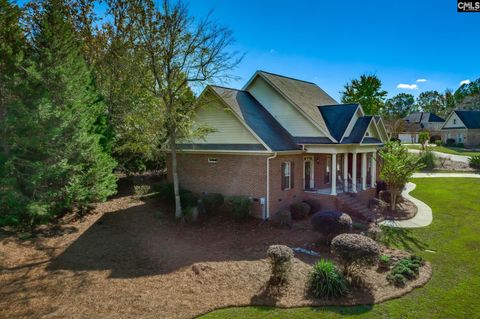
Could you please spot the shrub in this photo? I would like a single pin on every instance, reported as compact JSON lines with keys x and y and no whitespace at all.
{"x":450,"y":141}
{"x":300,"y":210}
{"x":167,"y":193}
{"x":283,"y":218}
{"x":239,"y":206}
{"x":439,"y":142}
{"x":331,"y":224}
{"x":354,"y":250}
{"x":374,"y":232}
{"x":405,"y":269}
{"x":212,"y":202}
{"x":326,"y":281}
{"x":428,"y":159}
{"x":384,"y":260}
{"x":188,"y":199}
{"x":423,"y":137}
{"x":281,"y":258}
{"x":474,"y":162}
{"x":141,"y":190}
{"x":460,"y":145}
{"x":190,"y":214}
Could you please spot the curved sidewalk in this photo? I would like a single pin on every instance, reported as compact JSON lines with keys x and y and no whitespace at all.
{"x":423,"y":217}
{"x":424,"y":175}
{"x":452,"y":157}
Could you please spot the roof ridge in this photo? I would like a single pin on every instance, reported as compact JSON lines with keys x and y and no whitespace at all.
{"x":225,"y":87}
{"x":287,"y":77}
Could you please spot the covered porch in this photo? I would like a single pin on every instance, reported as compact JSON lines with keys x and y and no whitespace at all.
{"x":341,"y":169}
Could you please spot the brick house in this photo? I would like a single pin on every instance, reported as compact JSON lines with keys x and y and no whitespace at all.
{"x":462,"y":127}
{"x":281,"y":140}
{"x":417,"y":122}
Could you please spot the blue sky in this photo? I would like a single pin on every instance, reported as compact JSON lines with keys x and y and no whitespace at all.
{"x":332,"y":42}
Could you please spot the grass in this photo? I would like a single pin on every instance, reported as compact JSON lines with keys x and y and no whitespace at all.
{"x":447,"y":149}
{"x":453,"y":290}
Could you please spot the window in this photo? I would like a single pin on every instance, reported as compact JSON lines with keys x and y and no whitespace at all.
{"x":287,"y":175}
{"x":328,"y":170}
{"x":454,"y":121}
{"x":212,"y":160}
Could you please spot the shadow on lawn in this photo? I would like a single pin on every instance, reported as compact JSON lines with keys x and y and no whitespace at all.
{"x":402,"y":238}
{"x":134,"y":242}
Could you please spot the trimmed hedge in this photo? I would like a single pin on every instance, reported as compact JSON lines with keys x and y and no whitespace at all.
{"x":300,"y":210}
{"x":332,"y":223}
{"x":354,"y":250}
{"x":281,"y":258}
{"x":212,"y":203}
{"x":283,"y":218}
{"x":239,"y":206}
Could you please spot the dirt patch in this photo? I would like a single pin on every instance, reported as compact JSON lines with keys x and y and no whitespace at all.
{"x":405,"y":210}
{"x":131,"y":260}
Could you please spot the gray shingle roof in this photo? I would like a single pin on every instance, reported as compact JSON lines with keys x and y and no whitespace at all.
{"x":423,"y":117}
{"x":306,"y":95}
{"x":471,"y":119}
{"x":257,"y":118}
{"x":337,"y":117}
{"x":358,"y":130}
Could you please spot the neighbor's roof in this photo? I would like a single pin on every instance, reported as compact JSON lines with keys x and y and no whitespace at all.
{"x":358,"y":130}
{"x":306,"y":95}
{"x":337,"y":117}
{"x":257,"y":118}
{"x":423,"y":117}
{"x":471,"y":119}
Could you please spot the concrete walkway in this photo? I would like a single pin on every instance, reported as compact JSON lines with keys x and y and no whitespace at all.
{"x":445,"y":175}
{"x":452,"y":157}
{"x":423,"y":217}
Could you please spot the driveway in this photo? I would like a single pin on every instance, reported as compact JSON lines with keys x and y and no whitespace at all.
{"x":452,"y":157}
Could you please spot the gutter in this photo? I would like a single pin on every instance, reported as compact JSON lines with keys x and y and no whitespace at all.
{"x":267,"y":212}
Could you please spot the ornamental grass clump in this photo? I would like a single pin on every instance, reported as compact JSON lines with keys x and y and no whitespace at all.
{"x":281,"y":259}
{"x":326,"y":281}
{"x":354,"y":251}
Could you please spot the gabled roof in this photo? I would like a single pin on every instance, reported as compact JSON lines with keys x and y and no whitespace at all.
{"x":358,"y":131}
{"x":307,"y":96}
{"x":337,"y":117}
{"x":471,"y":119}
{"x":247,"y":108}
{"x":423,"y":117}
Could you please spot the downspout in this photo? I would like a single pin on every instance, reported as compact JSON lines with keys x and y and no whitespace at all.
{"x":267,"y":212}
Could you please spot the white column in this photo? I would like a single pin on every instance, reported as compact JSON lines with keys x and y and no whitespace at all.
{"x":334,"y":174}
{"x":373,"y":169}
{"x":354,"y":172}
{"x":345,"y":172}
{"x":364,"y":171}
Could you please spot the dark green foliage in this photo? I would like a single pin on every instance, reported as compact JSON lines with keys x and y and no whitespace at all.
{"x":405,"y":269}
{"x":300,"y":210}
{"x":367,"y":91}
{"x":450,"y":141}
{"x":354,"y":250}
{"x":166,"y":193}
{"x":423,"y":137}
{"x":283,"y":218}
{"x":327,"y":281}
{"x":281,"y":258}
{"x":331,"y":224}
{"x":428,"y":159}
{"x":212,"y":203}
{"x":438,"y":142}
{"x":474,"y":161}
{"x":239,"y":206}
{"x":55,"y":161}
{"x":188,"y":199}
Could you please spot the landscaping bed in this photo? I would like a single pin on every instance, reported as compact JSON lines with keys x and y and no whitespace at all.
{"x":131,"y":259}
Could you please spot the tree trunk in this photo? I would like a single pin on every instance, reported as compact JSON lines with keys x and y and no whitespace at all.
{"x":393,"y":200}
{"x":176,"y":188}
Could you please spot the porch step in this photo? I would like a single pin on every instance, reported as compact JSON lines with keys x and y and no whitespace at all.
{"x":356,"y":208}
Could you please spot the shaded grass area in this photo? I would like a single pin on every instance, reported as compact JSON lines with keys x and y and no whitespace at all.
{"x":453,"y":235}
{"x":447,"y":149}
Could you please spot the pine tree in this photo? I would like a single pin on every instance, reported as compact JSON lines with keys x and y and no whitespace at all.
{"x":58,"y":161}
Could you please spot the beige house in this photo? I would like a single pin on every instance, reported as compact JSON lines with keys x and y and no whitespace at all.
{"x":281,"y":140}
{"x":462,"y":127}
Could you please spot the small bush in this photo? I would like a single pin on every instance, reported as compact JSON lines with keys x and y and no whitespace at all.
{"x":326,"y":281}
{"x":167,"y":193}
{"x":188,"y":199}
{"x":239,"y":206}
{"x":474,"y":162}
{"x":423,"y":137}
{"x":283,"y":218}
{"x":190,"y":214}
{"x":354,"y":250}
{"x":428,"y":159}
{"x":300,"y":210}
{"x":281,"y":258}
{"x":374,"y":232}
{"x":331,"y":224}
{"x":212,"y":203}
{"x":450,"y":141}
{"x":141,"y":190}
{"x":439,"y":142}
{"x":460,"y":145}
{"x":405,"y":269}
{"x":384,"y":260}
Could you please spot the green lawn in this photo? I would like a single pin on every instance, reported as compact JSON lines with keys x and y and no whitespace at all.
{"x":455,"y":286}
{"x":447,"y":149}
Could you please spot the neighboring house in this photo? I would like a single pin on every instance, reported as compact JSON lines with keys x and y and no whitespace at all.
{"x":462,"y":127}
{"x":279,"y":141}
{"x":419,"y":122}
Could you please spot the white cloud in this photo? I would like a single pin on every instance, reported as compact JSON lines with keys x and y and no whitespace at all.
{"x":464,"y":82}
{"x":407,"y":86}
{"x":422,"y":80}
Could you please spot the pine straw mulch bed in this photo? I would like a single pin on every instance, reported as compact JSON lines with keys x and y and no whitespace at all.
{"x":405,"y":210}
{"x":131,"y":261}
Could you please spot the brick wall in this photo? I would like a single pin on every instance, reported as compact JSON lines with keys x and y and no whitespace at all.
{"x":472,"y":137}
